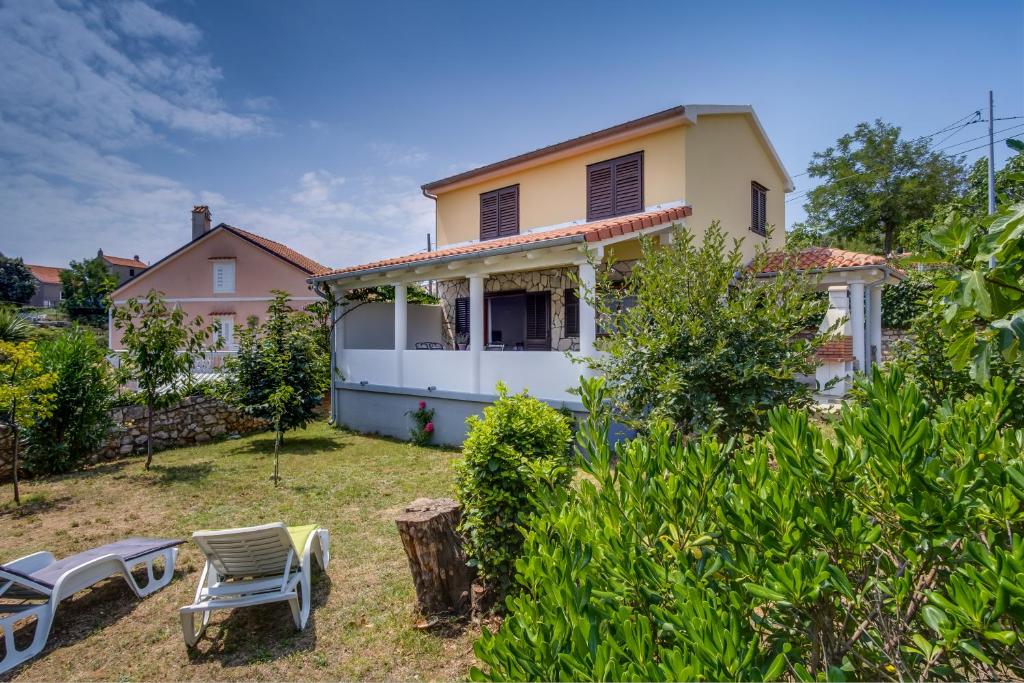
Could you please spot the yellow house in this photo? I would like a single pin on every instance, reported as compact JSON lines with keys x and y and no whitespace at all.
{"x":511,"y":238}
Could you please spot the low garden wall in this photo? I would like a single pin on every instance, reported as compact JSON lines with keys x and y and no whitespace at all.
{"x":191,"y":421}
{"x":890,"y":337}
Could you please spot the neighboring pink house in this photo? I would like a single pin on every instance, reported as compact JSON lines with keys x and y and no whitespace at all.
{"x":225,"y":274}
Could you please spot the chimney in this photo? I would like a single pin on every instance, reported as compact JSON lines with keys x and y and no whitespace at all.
{"x":200,"y":221}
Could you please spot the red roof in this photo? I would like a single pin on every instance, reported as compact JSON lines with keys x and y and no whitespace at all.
{"x":46,"y":274}
{"x":287,"y":253}
{"x":121,"y":261}
{"x":588,"y":232}
{"x":820,"y":258}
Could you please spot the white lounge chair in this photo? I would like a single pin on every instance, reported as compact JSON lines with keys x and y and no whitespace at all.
{"x":253,"y":566}
{"x":40,"y":581}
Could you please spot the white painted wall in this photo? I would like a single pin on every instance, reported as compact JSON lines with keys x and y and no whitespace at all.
{"x":546,"y":374}
{"x":372,"y":325}
{"x":444,"y":370}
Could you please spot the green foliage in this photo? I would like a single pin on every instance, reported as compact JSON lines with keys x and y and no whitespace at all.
{"x":874,"y":184}
{"x":26,"y":394}
{"x":87,"y":286}
{"x":83,"y":391}
{"x":423,"y":424}
{"x":516,"y":451}
{"x":13,"y":327}
{"x":161,"y":348}
{"x":891,"y":550}
{"x":17,"y":284}
{"x":280,"y":372}
{"x":707,"y":345}
{"x":907,"y":299}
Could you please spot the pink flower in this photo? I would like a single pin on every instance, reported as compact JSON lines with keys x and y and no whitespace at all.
{"x":423,"y":404}
{"x":429,"y":427}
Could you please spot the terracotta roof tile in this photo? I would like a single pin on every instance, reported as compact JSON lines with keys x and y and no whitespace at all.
{"x":820,"y":258}
{"x":46,"y":274}
{"x":122,"y":261}
{"x":588,"y":232}
{"x":287,"y":253}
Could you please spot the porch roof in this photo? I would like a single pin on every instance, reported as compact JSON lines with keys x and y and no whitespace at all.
{"x":595,"y":231}
{"x":828,"y":260}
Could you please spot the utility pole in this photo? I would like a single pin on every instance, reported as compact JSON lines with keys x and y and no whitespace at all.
{"x":991,"y":158}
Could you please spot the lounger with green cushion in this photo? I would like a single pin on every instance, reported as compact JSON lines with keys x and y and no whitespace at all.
{"x":33,"y":586}
{"x":253,"y":566}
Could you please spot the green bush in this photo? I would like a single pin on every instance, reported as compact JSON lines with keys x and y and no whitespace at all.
{"x":517,"y":450}
{"x":907,"y":299}
{"x":84,"y":392}
{"x":893,"y":550}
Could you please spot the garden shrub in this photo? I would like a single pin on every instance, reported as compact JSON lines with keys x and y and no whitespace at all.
{"x":893,"y":550}
{"x":517,"y":450}
{"x":79,"y":421}
{"x":906,"y":299}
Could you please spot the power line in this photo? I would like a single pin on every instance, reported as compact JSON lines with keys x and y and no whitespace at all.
{"x":980,"y":137}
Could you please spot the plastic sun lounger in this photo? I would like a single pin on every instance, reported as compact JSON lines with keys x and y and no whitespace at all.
{"x":253,"y":566}
{"x":40,"y":576}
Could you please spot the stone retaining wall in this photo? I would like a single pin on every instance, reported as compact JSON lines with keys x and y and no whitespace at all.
{"x":191,"y":421}
{"x":890,"y":337}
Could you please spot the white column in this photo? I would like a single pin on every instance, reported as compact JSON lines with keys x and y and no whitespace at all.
{"x":401,"y":336}
{"x":476,"y":328}
{"x":588,"y":319}
{"x":857,"y":323}
{"x":876,"y":322}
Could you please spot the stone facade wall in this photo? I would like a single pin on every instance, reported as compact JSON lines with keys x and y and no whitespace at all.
{"x":555,"y":280}
{"x":191,"y":421}
{"x":890,"y":336}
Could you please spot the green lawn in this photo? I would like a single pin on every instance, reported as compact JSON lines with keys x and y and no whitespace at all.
{"x":363,"y":621}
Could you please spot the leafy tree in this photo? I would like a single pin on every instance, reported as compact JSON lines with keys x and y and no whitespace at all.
{"x":907,"y":299}
{"x":25,"y":394}
{"x":161,"y":347}
{"x":280,"y":372}
{"x":875,"y":184}
{"x":707,"y":344}
{"x":87,"y":285}
{"x":79,"y":420}
{"x":13,"y":327}
{"x":17,"y":284}
{"x":515,"y":451}
{"x":892,"y":549}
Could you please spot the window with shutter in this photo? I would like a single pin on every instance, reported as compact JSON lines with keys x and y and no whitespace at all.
{"x":462,"y":315}
{"x":223,"y":277}
{"x":758,"y":209}
{"x":538,"y":321}
{"x":615,"y":187}
{"x":499,"y":213}
{"x":572,"y":313}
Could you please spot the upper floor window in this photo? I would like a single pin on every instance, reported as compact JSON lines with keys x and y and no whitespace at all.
{"x":758,"y":209}
{"x":499,"y":213}
{"x":615,"y":187}
{"x":223,"y":277}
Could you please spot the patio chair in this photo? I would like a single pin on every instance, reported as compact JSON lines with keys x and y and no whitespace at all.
{"x":494,"y":347}
{"x":40,"y":582}
{"x":254,"y":566}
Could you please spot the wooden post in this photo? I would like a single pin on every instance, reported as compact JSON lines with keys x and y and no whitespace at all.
{"x":429,"y":532}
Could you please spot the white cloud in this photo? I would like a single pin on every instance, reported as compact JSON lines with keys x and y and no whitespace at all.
{"x":397,"y":155}
{"x":262,"y":103}
{"x":138,"y":19}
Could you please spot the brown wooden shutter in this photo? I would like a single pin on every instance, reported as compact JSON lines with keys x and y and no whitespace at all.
{"x":572,"y":313}
{"x":462,"y":315}
{"x":538,"y":321}
{"x":758,"y":208}
{"x":615,"y":187}
{"x":499,"y":213}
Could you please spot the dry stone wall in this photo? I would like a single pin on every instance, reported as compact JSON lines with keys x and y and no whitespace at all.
{"x":194,"y":420}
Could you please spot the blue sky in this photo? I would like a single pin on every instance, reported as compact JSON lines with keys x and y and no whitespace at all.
{"x":315,"y":123}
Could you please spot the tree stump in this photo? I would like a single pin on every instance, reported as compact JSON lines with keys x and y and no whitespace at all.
{"x":429,"y":532}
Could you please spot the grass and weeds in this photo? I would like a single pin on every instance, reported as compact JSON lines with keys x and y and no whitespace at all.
{"x":363,"y":624}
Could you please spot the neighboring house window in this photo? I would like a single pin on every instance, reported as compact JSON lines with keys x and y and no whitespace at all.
{"x":131,"y":272}
{"x":462,"y":315}
{"x":223,"y":277}
{"x":758,"y":209}
{"x":227,"y":332}
{"x":499,"y":213}
{"x":572,"y":313}
{"x":615,"y":187}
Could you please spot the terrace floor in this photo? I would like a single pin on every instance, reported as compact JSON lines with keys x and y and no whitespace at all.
{"x":363,"y":624}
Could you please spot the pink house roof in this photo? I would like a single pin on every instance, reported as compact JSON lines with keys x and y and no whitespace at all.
{"x":280,"y":250}
{"x":584,"y":232}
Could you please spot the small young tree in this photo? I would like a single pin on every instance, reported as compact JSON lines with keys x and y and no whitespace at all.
{"x":694,"y":336}
{"x":86,"y":285}
{"x":161,"y":347}
{"x":16,"y":282}
{"x":280,"y":372}
{"x":25,"y":394}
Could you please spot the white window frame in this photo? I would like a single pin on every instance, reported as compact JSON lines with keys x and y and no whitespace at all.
{"x":229,"y":339}
{"x":227,"y":269}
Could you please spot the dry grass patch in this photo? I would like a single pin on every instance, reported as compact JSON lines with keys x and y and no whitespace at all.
{"x":363,"y":623}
